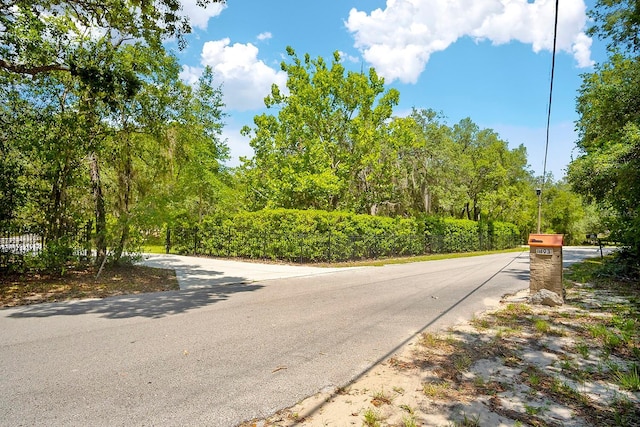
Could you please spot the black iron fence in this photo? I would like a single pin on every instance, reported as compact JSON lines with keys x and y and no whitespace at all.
{"x":20,"y":247}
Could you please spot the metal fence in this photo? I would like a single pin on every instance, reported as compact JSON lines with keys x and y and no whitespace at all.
{"x":326,"y":247}
{"x":18,"y":247}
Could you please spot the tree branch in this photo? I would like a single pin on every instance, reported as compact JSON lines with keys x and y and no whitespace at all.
{"x":32,"y":70}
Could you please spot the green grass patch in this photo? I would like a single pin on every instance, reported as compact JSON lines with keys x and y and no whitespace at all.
{"x":420,"y":258}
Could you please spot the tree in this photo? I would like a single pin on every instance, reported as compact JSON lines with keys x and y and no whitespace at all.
{"x":78,"y":156}
{"x":90,"y":98}
{"x":323,"y":149}
{"x":162,"y":151}
{"x":489,"y":172}
{"x":565,"y":213}
{"x":427,"y":163}
{"x":608,"y":168}
{"x":41,"y":36}
{"x":617,"y":21}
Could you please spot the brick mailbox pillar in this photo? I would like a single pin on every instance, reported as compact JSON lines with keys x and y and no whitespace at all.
{"x":545,"y":257}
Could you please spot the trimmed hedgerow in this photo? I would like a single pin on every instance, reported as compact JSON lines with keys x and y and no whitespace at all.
{"x":311,"y":235}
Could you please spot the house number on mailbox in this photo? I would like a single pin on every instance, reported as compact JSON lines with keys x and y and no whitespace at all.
{"x":544,"y":251}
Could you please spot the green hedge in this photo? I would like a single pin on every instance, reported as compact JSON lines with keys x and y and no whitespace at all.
{"x":308,"y":235}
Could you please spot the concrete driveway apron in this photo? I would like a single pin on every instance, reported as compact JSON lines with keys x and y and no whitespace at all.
{"x":197,"y":273}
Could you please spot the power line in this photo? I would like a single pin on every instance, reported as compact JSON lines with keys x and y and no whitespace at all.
{"x":546,"y":147}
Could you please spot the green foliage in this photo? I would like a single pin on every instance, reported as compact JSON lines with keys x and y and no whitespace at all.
{"x":132,"y":161}
{"x":44,"y":36}
{"x":567,"y":213}
{"x":323,"y":149}
{"x":608,"y":169}
{"x":312,"y":235}
{"x":334,"y":146}
{"x":617,"y":21}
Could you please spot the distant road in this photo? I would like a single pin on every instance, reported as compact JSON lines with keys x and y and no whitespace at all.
{"x":219,"y":355}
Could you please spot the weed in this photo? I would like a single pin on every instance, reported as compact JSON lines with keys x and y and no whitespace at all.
{"x":480,"y":323}
{"x":542,"y":326}
{"x":407,"y":408}
{"x":398,"y":390}
{"x":567,"y":364}
{"x":467,"y":422}
{"x":613,"y":340}
{"x":583,"y":349}
{"x":371,"y":418}
{"x":508,"y":331}
{"x":534,"y":378}
{"x":409,"y":421}
{"x":534,"y":410}
{"x":598,"y":331}
{"x":629,"y":380}
{"x":566,"y":391}
{"x":517,"y":310}
{"x":512,"y":361}
{"x":381,"y":398}
{"x":479,"y":381}
{"x":436,"y":390}
{"x":625,"y":412}
{"x":429,"y":340}
{"x":462,"y":362}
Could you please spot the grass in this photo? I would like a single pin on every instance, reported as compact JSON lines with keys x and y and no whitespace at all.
{"x":381,"y":398}
{"x":154,"y":249}
{"x":409,"y":421}
{"x":629,"y":380}
{"x":81,"y":283}
{"x":371,"y":418}
{"x":542,"y":326}
{"x":418,"y":258}
{"x":467,"y":421}
{"x":436,"y":390}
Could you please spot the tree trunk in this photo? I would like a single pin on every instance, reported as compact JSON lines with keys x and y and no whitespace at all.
{"x":126,"y":176}
{"x":426,"y":199}
{"x":476,"y":211}
{"x":101,"y":219}
{"x":466,"y":210}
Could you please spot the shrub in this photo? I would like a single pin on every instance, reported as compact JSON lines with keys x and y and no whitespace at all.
{"x":312,"y":235}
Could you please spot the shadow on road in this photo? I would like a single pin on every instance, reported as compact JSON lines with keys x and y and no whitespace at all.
{"x":197,"y":273}
{"x":153,"y":305}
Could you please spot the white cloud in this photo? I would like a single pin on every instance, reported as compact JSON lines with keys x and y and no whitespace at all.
{"x":245,"y":79}
{"x":199,"y":16}
{"x":190,"y":75}
{"x":264,"y":36}
{"x":346,"y":57}
{"x":238,"y":145}
{"x":399,"y":40}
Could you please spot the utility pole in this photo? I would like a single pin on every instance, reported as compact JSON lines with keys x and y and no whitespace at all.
{"x":539,"y":194}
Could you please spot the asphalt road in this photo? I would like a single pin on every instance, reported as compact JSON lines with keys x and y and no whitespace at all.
{"x":223,"y":354}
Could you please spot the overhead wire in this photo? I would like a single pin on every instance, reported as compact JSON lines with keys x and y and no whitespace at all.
{"x":546,"y":147}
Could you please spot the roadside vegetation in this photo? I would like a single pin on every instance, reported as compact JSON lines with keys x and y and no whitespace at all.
{"x":104,"y":148}
{"x":521,"y":364}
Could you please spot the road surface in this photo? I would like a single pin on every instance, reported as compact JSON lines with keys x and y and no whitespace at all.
{"x":226,"y":353}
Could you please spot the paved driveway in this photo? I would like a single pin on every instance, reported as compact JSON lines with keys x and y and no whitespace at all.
{"x":196,"y":273}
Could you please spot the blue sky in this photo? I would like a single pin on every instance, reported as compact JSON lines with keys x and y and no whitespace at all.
{"x":489,"y":60}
